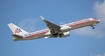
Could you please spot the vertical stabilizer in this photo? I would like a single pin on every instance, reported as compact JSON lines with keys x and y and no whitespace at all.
{"x":16,"y":30}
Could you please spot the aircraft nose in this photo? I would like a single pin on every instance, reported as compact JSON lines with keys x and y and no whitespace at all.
{"x":98,"y":20}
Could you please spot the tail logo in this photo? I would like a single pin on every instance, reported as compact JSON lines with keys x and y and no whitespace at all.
{"x":17,"y":30}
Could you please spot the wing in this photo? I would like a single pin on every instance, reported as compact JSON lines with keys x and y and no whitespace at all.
{"x":53,"y":27}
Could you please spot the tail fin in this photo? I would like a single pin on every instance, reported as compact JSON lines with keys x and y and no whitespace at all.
{"x":16,"y":30}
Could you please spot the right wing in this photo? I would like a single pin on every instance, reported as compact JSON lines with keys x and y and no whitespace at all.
{"x":53,"y":27}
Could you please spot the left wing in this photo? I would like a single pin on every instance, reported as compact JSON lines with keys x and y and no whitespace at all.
{"x":53,"y":27}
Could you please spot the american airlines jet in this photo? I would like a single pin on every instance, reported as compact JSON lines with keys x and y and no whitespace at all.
{"x":53,"y":30}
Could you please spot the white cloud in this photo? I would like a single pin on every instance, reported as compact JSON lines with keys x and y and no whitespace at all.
{"x":100,"y":11}
{"x":28,"y":24}
{"x":97,"y":54}
{"x":90,"y":32}
{"x":99,"y":8}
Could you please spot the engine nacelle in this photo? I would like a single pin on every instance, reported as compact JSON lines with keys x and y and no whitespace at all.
{"x":65,"y":28}
{"x":48,"y":33}
{"x":65,"y":34}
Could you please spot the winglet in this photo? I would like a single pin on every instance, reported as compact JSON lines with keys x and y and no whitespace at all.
{"x":42,"y":18}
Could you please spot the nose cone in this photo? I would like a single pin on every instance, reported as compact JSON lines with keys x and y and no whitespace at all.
{"x":98,"y":20}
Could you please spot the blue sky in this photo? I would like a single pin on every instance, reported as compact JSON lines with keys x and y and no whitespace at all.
{"x":26,"y":14}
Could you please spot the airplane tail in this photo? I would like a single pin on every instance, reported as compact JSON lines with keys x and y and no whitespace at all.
{"x":16,"y":30}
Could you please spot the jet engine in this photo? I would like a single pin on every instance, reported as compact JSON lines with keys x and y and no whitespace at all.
{"x":65,"y":34}
{"x":48,"y":33}
{"x":65,"y":28}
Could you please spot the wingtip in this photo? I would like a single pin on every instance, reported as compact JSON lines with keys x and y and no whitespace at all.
{"x":42,"y":18}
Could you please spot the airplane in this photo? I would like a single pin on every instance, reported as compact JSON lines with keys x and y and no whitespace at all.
{"x":53,"y":30}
